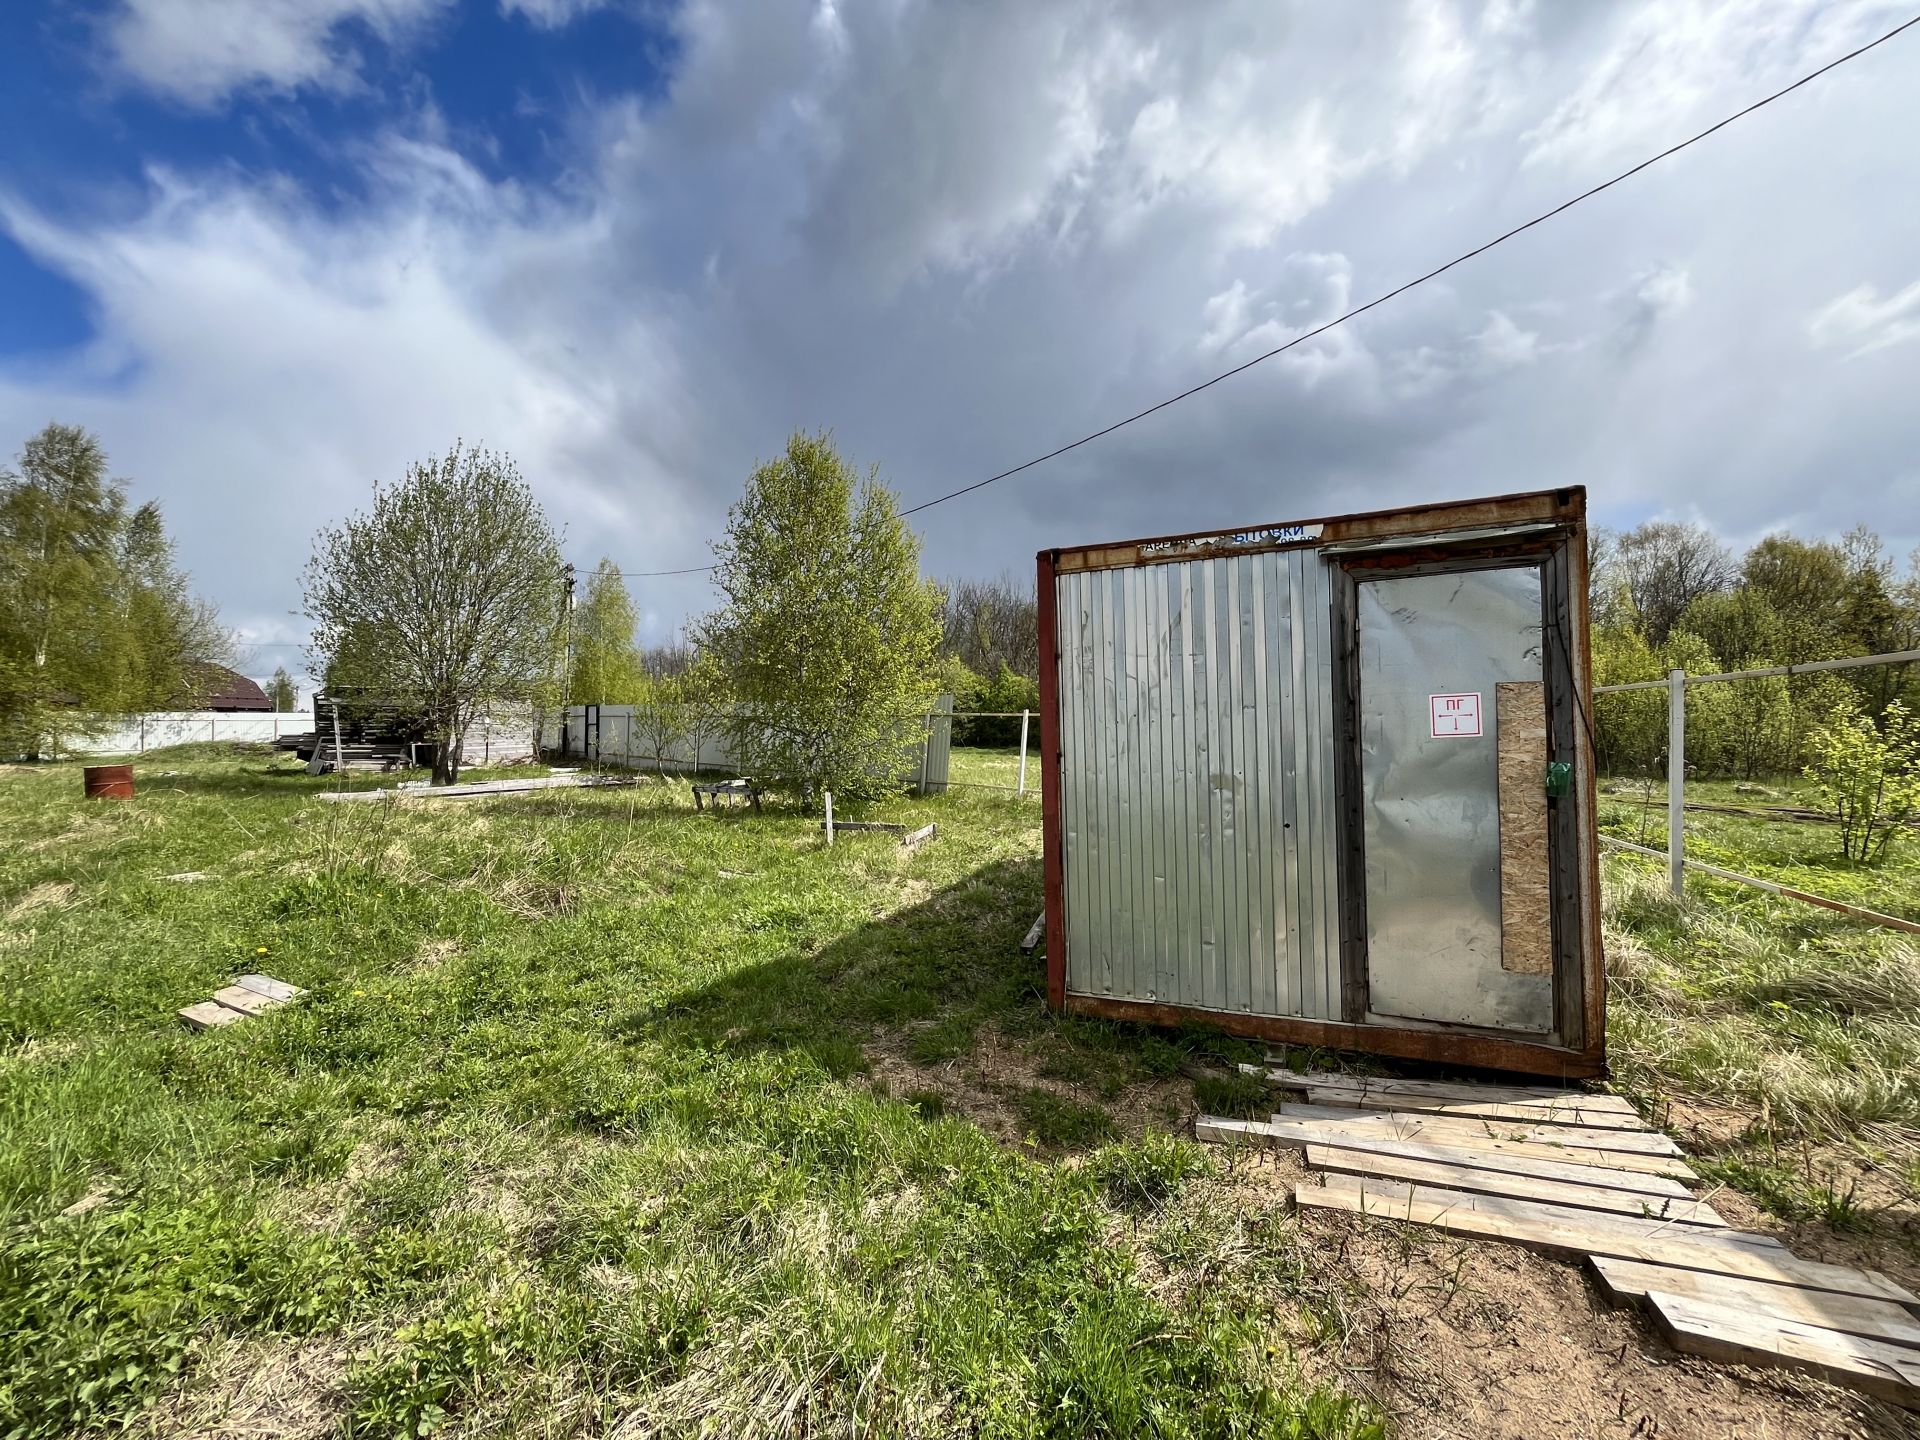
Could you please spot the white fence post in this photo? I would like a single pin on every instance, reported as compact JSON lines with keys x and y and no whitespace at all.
{"x":829,"y":795}
{"x":1677,"y":782}
{"x":1024,"y":715}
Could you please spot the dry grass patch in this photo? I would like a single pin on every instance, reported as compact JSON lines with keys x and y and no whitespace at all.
{"x":49,"y":895}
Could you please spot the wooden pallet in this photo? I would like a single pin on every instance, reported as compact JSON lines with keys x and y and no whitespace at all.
{"x":1570,"y":1172}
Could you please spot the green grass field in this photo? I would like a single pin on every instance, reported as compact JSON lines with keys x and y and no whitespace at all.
{"x":1805,"y":1023}
{"x":607,"y":1117}
{"x":599,"y":1113}
{"x":1803,"y":854}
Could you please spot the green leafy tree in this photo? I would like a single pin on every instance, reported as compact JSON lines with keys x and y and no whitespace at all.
{"x":606,"y":664}
{"x":996,"y":704}
{"x":1869,"y":775}
{"x":281,"y":694}
{"x":443,"y":599}
{"x":828,"y":634}
{"x":662,"y":717}
{"x":1630,"y":729}
{"x":96,"y":620}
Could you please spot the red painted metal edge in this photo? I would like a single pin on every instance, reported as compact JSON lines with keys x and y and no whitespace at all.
{"x":1448,"y":1047}
{"x":1054,"y":839}
{"x":1527,"y":505}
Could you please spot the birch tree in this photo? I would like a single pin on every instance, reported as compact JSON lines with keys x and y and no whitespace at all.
{"x":96,"y":620}
{"x":444,"y":599}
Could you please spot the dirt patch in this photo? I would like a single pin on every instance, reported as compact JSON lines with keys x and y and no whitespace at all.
{"x":985,"y":1086}
{"x":433,"y":954}
{"x":292,"y":1390}
{"x":1461,"y":1340}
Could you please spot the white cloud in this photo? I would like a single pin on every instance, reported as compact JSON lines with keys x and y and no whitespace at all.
{"x":201,"y":51}
{"x":960,"y":235}
{"x":1503,"y":342}
{"x":551,"y":14}
{"x":1664,"y":68}
{"x":1665,"y":290}
{"x":266,"y":365}
{"x":1860,"y":321}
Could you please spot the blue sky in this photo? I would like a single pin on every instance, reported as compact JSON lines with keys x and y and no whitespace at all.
{"x":273,"y":250}
{"x":505,"y":88}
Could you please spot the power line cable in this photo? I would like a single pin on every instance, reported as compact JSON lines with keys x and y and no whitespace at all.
{"x":1378,"y":300}
{"x":1437,"y":271}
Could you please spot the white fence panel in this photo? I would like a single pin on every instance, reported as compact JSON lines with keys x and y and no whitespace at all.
{"x":137,"y":734}
{"x":611,"y":735}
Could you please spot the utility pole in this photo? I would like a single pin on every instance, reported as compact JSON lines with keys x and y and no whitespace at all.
{"x":566,"y":654}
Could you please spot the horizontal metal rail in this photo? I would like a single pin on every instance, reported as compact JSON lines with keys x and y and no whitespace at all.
{"x":1872,"y":917}
{"x":1852,"y":662}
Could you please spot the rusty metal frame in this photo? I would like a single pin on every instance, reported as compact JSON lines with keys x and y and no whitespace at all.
{"x":1566,"y":506}
{"x":1562,"y":511}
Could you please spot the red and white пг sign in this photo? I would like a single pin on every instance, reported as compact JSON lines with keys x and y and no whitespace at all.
{"x":1454,"y":716}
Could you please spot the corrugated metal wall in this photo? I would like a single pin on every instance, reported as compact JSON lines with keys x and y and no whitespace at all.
{"x":1197,"y":784}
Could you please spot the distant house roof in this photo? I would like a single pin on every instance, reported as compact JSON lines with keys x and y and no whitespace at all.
{"x":215,"y":687}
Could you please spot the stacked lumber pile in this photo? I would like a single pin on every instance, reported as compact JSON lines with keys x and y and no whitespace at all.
{"x":1577,"y":1173}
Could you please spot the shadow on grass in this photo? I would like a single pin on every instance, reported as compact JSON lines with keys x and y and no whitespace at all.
{"x":924,"y":983}
{"x":158,"y":778}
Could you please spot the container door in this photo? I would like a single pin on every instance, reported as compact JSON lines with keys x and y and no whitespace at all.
{"x":1453,"y":767}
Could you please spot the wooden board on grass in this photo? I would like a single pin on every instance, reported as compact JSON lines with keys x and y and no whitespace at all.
{"x":1449,"y":1127}
{"x":1446,"y":1089}
{"x":1295,"y":1133}
{"x":1035,"y":935}
{"x":1413,"y":1196}
{"x":207,"y":1015}
{"x":1650,"y":1188}
{"x":1722,"y":1332}
{"x":247,"y":1002}
{"x":1682,"y":1209}
{"x":268,"y":986}
{"x":1873,"y":1319}
{"x":1683,"y":1252}
{"x":1585,"y":1117}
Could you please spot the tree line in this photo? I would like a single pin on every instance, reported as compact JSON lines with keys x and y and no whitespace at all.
{"x":1670,"y":596}
{"x":448,"y":597}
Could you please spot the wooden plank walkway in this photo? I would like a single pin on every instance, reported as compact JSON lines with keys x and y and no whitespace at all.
{"x":1574,"y":1173}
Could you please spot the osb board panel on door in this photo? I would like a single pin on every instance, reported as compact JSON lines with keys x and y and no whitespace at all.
{"x":1526,"y":917}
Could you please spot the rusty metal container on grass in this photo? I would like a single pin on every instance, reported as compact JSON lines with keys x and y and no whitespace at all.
{"x":108,"y":782}
{"x":1330,"y":783}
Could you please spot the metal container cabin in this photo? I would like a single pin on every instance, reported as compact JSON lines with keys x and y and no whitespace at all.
{"x":1330,"y":782}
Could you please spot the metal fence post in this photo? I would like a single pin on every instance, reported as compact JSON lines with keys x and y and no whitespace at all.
{"x":1677,"y":781}
{"x":1024,"y":715}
